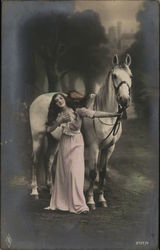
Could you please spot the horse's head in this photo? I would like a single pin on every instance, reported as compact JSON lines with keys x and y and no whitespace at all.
{"x":121,"y":78}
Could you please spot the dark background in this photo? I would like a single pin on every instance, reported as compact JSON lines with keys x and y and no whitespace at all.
{"x":44,"y":50}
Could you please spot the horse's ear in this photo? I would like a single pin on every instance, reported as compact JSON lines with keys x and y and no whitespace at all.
{"x":115,"y":60}
{"x":127,"y":60}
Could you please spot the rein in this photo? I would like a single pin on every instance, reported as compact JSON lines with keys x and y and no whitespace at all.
{"x":116,"y":126}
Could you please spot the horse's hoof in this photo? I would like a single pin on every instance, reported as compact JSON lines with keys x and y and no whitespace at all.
{"x":35,"y":197}
{"x":92,"y":206}
{"x":103,"y":204}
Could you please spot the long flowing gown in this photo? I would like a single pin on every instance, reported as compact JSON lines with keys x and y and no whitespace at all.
{"x":67,"y":192}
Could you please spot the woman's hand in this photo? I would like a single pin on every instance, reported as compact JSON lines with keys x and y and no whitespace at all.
{"x":64,"y":118}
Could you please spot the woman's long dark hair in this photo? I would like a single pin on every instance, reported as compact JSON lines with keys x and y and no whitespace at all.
{"x":73,"y":100}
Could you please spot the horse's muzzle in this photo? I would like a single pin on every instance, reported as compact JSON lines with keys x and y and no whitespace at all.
{"x":124,"y":101}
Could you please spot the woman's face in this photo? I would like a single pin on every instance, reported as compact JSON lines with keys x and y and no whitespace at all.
{"x":60,"y":101}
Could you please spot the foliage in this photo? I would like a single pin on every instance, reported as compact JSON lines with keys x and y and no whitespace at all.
{"x":75,"y":43}
{"x":144,"y":53}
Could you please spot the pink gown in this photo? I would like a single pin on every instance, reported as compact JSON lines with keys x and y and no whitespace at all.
{"x":67,"y":192}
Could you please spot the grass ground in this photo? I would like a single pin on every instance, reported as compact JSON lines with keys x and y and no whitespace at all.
{"x":130,"y":221}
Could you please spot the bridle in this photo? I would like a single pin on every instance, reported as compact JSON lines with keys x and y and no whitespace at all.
{"x":120,"y":84}
{"x":116,"y":125}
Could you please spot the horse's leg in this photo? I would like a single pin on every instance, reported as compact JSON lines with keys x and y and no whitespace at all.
{"x":37,"y":145}
{"x":93,"y":159}
{"x":51,"y":153}
{"x":104,"y":158}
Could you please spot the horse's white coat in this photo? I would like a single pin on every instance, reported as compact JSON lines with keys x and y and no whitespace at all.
{"x":94,"y":132}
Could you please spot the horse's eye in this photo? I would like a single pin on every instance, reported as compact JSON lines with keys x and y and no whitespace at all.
{"x":114,"y":76}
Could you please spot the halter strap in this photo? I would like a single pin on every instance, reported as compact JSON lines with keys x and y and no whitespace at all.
{"x":120,"y":84}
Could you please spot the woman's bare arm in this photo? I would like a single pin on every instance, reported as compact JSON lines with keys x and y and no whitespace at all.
{"x":99,"y":114}
{"x":84,"y":112}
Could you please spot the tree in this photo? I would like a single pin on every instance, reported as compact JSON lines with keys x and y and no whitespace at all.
{"x":144,"y":54}
{"x":69,"y":43}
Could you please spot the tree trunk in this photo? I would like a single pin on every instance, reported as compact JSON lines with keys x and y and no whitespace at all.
{"x":53,"y":80}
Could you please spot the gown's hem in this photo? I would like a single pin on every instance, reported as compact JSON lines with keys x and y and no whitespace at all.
{"x":67,"y":210}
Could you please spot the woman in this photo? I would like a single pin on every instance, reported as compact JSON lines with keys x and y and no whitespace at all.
{"x":67,"y":193}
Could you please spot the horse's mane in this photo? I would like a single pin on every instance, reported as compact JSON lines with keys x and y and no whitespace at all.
{"x":105,"y":99}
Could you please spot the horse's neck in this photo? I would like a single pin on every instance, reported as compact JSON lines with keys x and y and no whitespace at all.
{"x":106,"y":99}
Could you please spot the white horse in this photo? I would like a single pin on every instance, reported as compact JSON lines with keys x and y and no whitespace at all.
{"x":100,"y":134}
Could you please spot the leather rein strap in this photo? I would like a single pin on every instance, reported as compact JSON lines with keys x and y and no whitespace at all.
{"x":115,"y":127}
